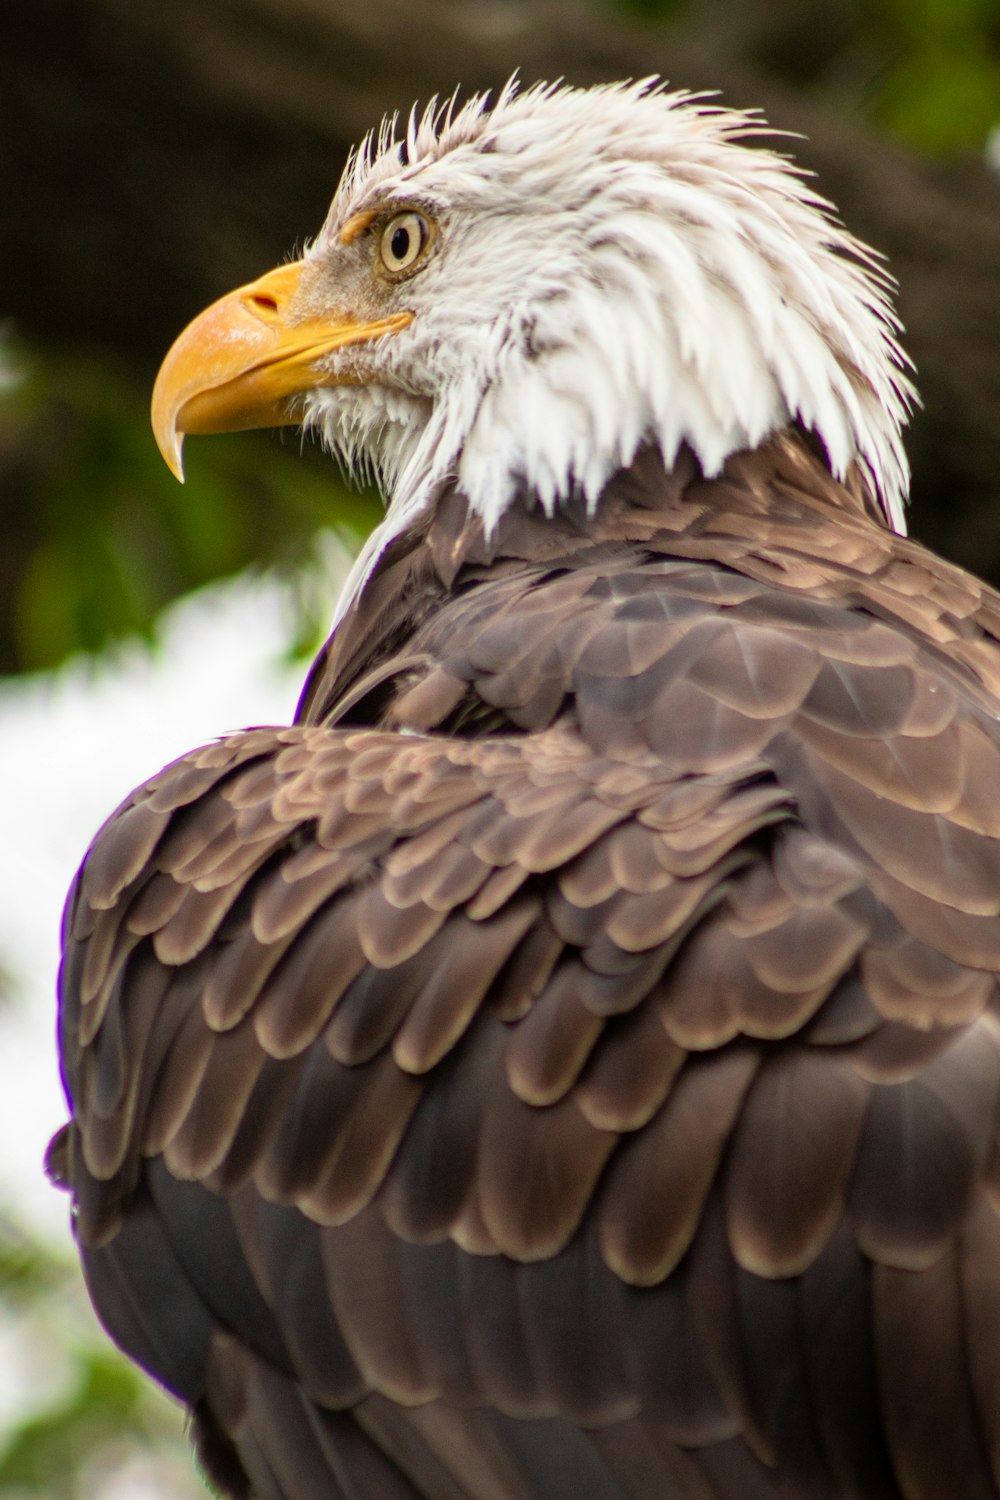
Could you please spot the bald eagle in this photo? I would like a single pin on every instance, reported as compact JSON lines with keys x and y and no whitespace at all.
{"x":564,"y":1064}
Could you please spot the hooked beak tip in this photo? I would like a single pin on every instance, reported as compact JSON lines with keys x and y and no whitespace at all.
{"x":169,"y":435}
{"x":173,"y":457}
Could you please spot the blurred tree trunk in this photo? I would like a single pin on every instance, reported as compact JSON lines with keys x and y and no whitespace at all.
{"x":154,"y":155}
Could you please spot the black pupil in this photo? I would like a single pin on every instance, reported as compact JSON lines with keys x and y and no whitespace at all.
{"x":400,"y":243}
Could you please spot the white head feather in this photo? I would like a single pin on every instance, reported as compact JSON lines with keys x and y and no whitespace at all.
{"x":612,"y":267}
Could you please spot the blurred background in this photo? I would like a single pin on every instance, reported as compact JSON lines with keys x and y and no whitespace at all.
{"x":153,"y":156}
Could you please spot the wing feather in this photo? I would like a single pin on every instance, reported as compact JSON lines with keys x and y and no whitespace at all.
{"x":580,"y":1046}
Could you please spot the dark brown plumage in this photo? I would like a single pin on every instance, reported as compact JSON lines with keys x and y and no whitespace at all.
{"x":563,"y":1065}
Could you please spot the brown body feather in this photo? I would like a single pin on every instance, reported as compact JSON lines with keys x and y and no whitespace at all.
{"x":565,"y":1064}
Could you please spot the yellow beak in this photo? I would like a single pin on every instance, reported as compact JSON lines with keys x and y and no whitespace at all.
{"x":243,"y":360}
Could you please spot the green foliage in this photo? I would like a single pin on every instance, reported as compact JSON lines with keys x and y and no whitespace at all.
{"x":98,"y":534}
{"x":942,"y":86}
{"x":44,"y":1453}
{"x":92,"y":1411}
{"x":927,"y":70}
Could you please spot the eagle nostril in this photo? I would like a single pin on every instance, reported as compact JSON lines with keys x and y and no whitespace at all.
{"x":263,"y":304}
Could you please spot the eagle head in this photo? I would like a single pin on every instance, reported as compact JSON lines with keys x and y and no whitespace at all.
{"x":515,"y":298}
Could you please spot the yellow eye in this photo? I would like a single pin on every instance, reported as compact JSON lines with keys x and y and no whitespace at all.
{"x":404,"y":241}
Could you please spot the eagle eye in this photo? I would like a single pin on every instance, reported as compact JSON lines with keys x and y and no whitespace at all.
{"x":404,"y":242}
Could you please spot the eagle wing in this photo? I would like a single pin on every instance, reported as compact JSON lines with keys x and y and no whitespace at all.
{"x":604,"y":1105}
